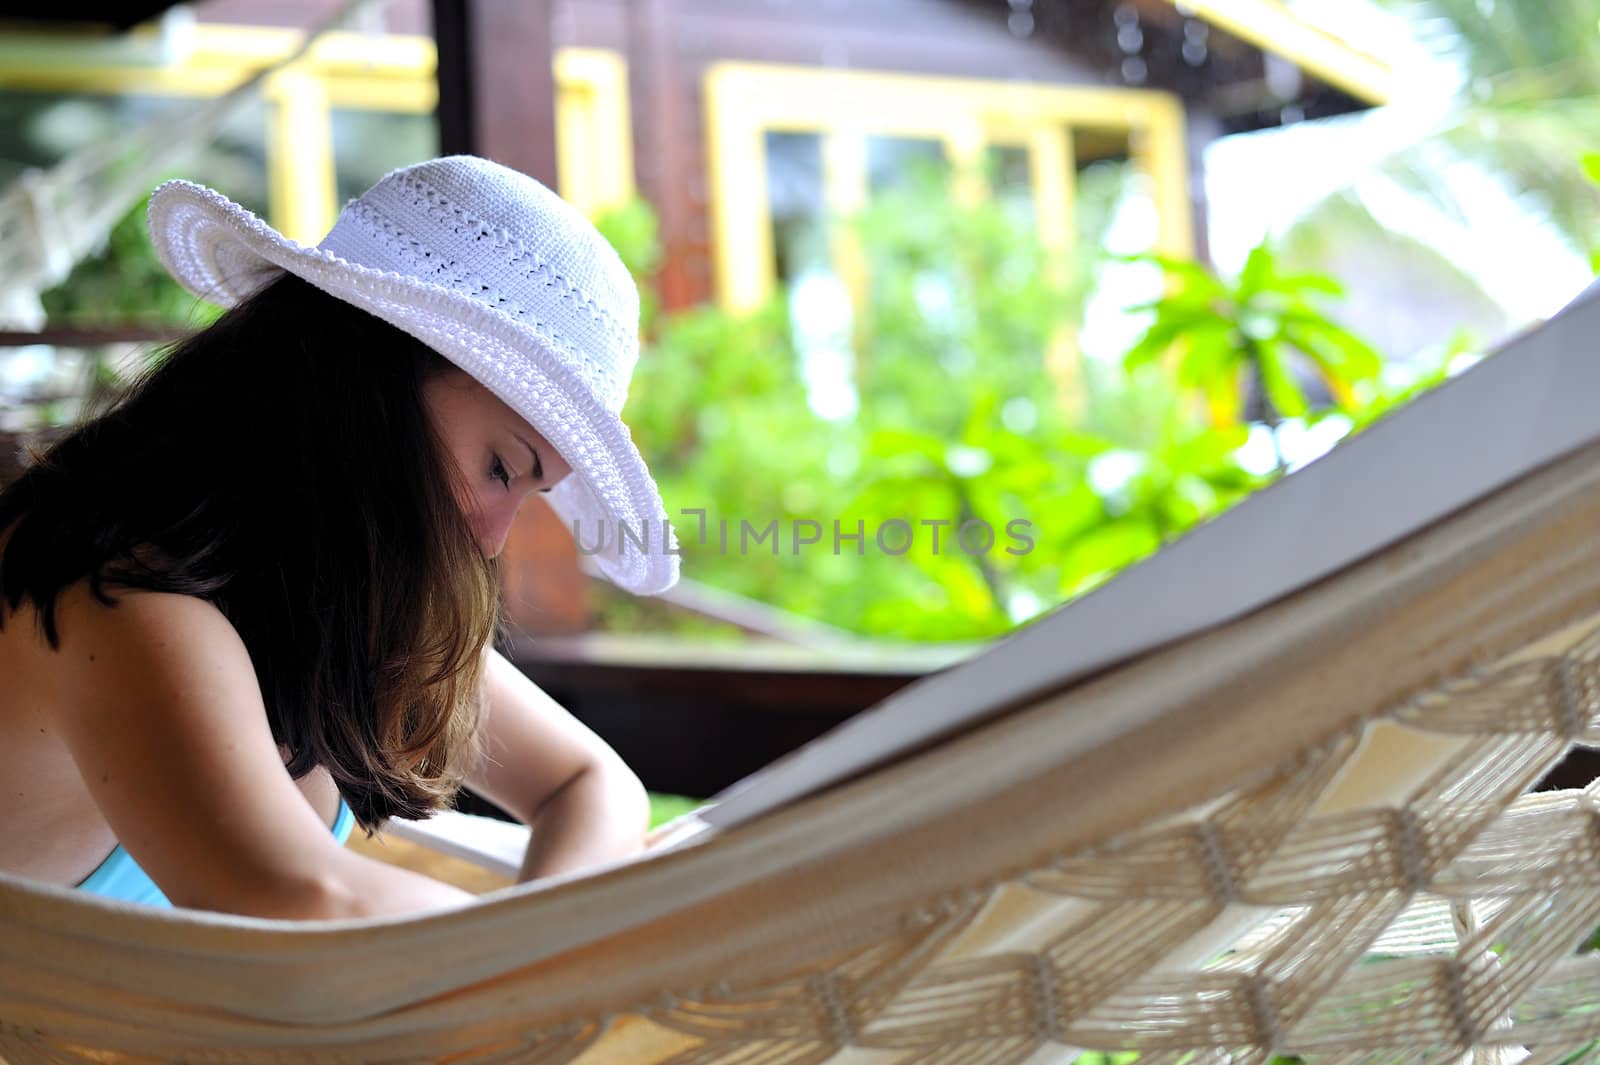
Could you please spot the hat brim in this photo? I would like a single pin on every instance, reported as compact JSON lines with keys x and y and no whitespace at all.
{"x":222,"y":252}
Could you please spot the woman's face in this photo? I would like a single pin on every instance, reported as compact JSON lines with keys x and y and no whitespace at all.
{"x":503,"y":459}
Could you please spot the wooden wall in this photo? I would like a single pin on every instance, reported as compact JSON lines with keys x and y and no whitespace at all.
{"x":396,"y":16}
{"x":669,"y":43}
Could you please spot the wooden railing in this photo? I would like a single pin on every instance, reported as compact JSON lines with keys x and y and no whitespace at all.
{"x":692,"y":718}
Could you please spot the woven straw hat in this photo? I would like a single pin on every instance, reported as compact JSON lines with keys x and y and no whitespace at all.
{"x":500,"y":276}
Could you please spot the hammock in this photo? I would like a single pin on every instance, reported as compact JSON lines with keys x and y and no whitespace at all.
{"x":1307,"y":829}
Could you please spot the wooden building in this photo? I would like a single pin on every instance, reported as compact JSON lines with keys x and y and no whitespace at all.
{"x":738,"y":120}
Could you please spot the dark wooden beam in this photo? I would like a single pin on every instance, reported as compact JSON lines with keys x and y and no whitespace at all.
{"x":510,"y":66}
{"x":1201,"y":128}
{"x":497,"y":87}
{"x":687,"y":727}
{"x":93,"y":336}
{"x":453,"y":72}
{"x":82,"y":16}
{"x":664,"y":137}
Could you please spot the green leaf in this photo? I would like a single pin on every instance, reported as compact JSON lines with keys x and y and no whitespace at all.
{"x":1278,"y":382}
{"x":1211,"y":354}
{"x":890,"y":441}
{"x":1075,"y":442}
{"x":1337,"y":350}
{"x":1107,"y":549}
{"x":1191,"y":274}
{"x":1257,"y":272}
{"x":1310,"y":282}
{"x":1155,"y":343}
{"x":1591,"y":165}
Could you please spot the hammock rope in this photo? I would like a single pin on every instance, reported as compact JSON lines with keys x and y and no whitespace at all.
{"x":52,"y":219}
{"x":1306,"y":832}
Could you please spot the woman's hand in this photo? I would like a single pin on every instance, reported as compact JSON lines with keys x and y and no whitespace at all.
{"x":671,"y":833}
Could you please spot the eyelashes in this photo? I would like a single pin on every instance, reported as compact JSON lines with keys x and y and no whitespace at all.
{"x":498,"y":471}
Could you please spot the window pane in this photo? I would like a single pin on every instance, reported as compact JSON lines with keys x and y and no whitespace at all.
{"x":891,"y":160}
{"x":369,"y":144}
{"x":1010,"y":177}
{"x":1115,"y":212}
{"x":796,"y":199}
{"x":819,"y":306}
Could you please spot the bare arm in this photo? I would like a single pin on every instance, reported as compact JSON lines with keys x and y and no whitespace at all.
{"x":549,"y":769}
{"x":160,"y":708}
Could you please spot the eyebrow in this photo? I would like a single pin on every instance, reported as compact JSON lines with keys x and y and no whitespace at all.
{"x":538,"y":467}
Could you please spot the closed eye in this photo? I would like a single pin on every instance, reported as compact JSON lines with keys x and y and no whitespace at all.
{"x":538,"y":463}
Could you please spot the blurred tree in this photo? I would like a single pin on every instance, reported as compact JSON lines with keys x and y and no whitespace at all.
{"x":1529,"y":96}
{"x":1525,"y":103}
{"x":1255,"y":334}
{"x":124,"y":284}
{"x":960,"y":301}
{"x":957,"y":425}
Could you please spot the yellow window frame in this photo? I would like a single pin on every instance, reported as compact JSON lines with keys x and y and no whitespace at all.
{"x":342,"y":69}
{"x":594,"y":132}
{"x":745,"y":101}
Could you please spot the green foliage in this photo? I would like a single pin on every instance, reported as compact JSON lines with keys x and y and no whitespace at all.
{"x":1590,"y":162}
{"x":958,"y":421}
{"x":1528,"y":103}
{"x":664,"y":807}
{"x":124,"y":283}
{"x":633,"y":230}
{"x":958,"y":418}
{"x":961,"y":301}
{"x":1257,"y":330}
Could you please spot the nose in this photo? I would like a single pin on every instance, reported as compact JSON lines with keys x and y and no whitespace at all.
{"x":497,"y":522}
{"x":498,"y":532}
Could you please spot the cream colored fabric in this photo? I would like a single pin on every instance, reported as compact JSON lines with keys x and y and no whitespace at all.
{"x":1306,"y":832}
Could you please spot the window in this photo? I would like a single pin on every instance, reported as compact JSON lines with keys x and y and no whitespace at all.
{"x":865,"y":125}
{"x":345,"y":74}
{"x":594,"y":135}
{"x":353,"y":108}
{"x":791,"y":146}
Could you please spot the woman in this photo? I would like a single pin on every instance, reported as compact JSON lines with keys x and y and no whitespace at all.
{"x":253,"y":603}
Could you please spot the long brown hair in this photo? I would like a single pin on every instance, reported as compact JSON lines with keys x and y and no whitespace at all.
{"x":281,"y":464}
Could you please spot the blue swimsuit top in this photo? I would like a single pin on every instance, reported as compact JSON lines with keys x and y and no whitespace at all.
{"x":119,"y":876}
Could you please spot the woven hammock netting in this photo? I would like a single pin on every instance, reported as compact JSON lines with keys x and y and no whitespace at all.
{"x":1309,"y":832}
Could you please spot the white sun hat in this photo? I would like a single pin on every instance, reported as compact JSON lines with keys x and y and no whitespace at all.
{"x":503,"y":278}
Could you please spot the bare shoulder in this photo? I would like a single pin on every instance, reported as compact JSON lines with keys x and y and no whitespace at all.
{"x":159,"y":632}
{"x":163,"y":716}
